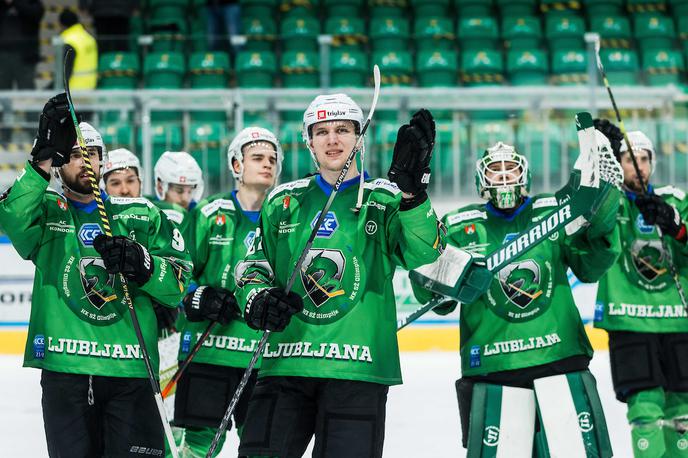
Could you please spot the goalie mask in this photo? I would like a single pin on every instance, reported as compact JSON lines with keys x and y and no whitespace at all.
{"x":252,"y":136}
{"x":502,"y":176}
{"x":178,"y":168}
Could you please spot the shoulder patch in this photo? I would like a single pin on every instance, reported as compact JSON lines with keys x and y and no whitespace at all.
{"x":54,"y":191}
{"x":131,"y":200}
{"x":381,"y":183}
{"x":175,"y":216}
{"x":670,"y":190}
{"x":212,"y":207}
{"x":302,"y":183}
{"x":465,"y":216}
{"x":546,"y":202}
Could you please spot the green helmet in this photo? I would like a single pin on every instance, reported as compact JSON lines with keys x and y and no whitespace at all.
{"x":507,"y":183}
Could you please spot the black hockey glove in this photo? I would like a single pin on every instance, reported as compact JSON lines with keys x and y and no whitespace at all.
{"x":56,"y":135}
{"x":410,"y":168}
{"x":271,"y":309}
{"x":165,"y":316}
{"x":656,"y":211}
{"x":612,"y":133}
{"x":208,"y":303}
{"x":123,"y":255}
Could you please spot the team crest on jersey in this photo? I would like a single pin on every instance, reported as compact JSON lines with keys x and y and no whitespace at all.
{"x":88,"y":233}
{"x":220,"y":220}
{"x":285,"y":202}
{"x":241,"y":278}
{"x":328,"y":226}
{"x":649,"y":259}
{"x":98,"y":284}
{"x":248,"y":240}
{"x":469,"y":229}
{"x":524,"y":290}
{"x":331,"y":287}
{"x":62,"y":204}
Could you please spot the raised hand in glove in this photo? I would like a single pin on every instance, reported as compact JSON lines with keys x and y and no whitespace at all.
{"x":656,"y":211}
{"x":123,"y":255}
{"x":208,"y":303}
{"x":271,"y":309}
{"x":56,"y":134}
{"x":410,"y":168}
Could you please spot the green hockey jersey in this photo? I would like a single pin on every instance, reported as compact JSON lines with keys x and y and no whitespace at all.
{"x":79,"y":321}
{"x":528,"y":316}
{"x":638,"y":293}
{"x":347,"y":329}
{"x":177,"y":214}
{"x":222,"y":233}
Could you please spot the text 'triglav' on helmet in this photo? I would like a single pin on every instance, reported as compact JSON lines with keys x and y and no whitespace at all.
{"x":248,"y":136}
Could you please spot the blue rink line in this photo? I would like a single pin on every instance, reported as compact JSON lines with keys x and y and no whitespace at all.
{"x":9,"y":324}
{"x":4,"y":239}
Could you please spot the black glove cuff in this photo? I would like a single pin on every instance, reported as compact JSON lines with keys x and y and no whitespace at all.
{"x":40,"y":171}
{"x":412,"y":202}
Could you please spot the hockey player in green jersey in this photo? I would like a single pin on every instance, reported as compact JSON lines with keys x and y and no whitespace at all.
{"x":122,"y":174}
{"x":332,"y":353}
{"x":224,"y":226}
{"x":524,"y":351}
{"x":638,"y":304}
{"x":97,"y":400}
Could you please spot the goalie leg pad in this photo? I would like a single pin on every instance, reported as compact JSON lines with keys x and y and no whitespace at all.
{"x":571,"y":418}
{"x":502,"y":421}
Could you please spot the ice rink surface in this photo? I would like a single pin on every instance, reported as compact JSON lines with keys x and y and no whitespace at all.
{"x":422,"y":414}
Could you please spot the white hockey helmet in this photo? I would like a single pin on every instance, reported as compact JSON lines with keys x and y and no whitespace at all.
{"x":120,"y":159}
{"x":332,"y":107}
{"x":178,"y":167}
{"x":639,"y":141}
{"x":496,"y":189}
{"x":91,"y":138}
{"x":247,"y":136}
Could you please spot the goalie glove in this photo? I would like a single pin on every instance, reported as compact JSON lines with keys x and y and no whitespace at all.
{"x":208,"y":303}
{"x":123,"y":255}
{"x":603,"y":217}
{"x":656,"y":211}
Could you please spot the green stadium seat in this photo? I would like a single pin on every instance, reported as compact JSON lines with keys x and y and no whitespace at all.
{"x":389,"y":34}
{"x":163,"y":71}
{"x":396,"y":67}
{"x":433,"y":33}
{"x":348,"y":68}
{"x":521,"y":32}
{"x":297,"y":160}
{"x":167,"y":11}
{"x":163,"y":137}
{"x":477,"y":33}
{"x":482,"y":68}
{"x":682,"y":25}
{"x":484,"y":134}
{"x":342,"y":8}
{"x":198,"y":38}
{"x":569,"y":67}
{"x":679,"y":8}
{"x":646,"y":6}
{"x":136,"y":29}
{"x":615,"y":31}
{"x":437,"y":68}
{"x":621,"y":66}
{"x":430,"y":8}
{"x":208,"y":70}
{"x":300,"y":34}
{"x":596,"y":8}
{"x":663,"y":67}
{"x":258,"y":8}
{"x":255,"y":69}
{"x":517,"y":7}
{"x":347,"y":33}
{"x":118,"y":70}
{"x":300,"y":69}
{"x":260,"y":33}
{"x":299,"y":9}
{"x":541,"y":144}
{"x":169,"y":37}
{"x":207,"y":145}
{"x":527,"y":67}
{"x":473,"y":8}
{"x":654,"y":31}
{"x":383,"y":11}
{"x":120,"y":135}
{"x":565,"y":32}
{"x":557,"y":7}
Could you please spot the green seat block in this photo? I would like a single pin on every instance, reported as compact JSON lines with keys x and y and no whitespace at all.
{"x":207,"y":145}
{"x":258,"y":8}
{"x":297,"y":160}
{"x":118,"y":70}
{"x":473,"y":8}
{"x":255,"y":69}
{"x":569,"y":67}
{"x":386,"y":10}
{"x":208,"y":70}
{"x":207,"y":116}
{"x":347,"y":33}
{"x":163,"y":137}
{"x":603,"y":8}
{"x":523,"y":32}
{"x":434,"y":33}
{"x":484,"y":134}
{"x":477,"y":33}
{"x":119,"y":135}
{"x":396,"y":67}
{"x":517,"y":7}
{"x":437,"y":68}
{"x":565,"y":32}
{"x":541,"y":144}
{"x":654,"y":31}
{"x":621,"y":66}
{"x":389,"y":34}
{"x":430,"y":8}
{"x":260,"y":32}
{"x":348,"y":68}
{"x":300,"y":69}
{"x":300,"y":34}
{"x":342,"y":8}
{"x":527,"y":67}
{"x":482,"y":68}
{"x":679,"y":8}
{"x":663,"y":66}
{"x":615,"y":31}
{"x":164,"y":71}
{"x":198,"y":36}
{"x":297,"y":9}
{"x":636,"y":7}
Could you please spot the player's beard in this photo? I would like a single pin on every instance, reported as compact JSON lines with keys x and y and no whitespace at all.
{"x":75,"y":183}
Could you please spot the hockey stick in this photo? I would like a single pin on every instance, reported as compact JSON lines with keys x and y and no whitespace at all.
{"x":297,"y":268}
{"x":182,"y":367}
{"x":643,"y":187}
{"x":125,"y":286}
